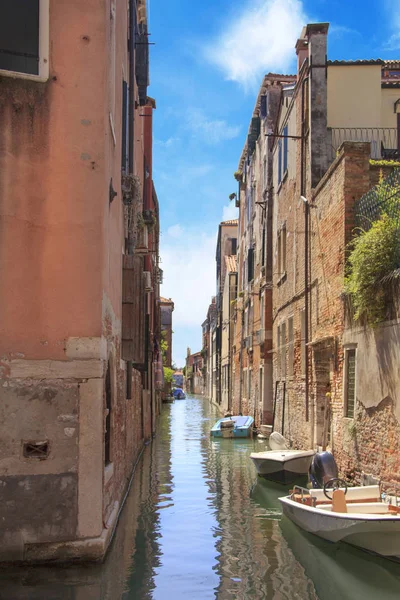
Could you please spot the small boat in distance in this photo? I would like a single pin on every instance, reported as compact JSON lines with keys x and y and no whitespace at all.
{"x":179,"y":394}
{"x":237,"y":426}
{"x":279,"y":463}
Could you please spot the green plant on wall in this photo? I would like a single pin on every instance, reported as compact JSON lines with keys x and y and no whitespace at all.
{"x":374,"y":260}
{"x":168,"y":373}
{"x":164,"y":346}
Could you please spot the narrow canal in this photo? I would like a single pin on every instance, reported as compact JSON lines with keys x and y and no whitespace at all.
{"x":198,"y":524}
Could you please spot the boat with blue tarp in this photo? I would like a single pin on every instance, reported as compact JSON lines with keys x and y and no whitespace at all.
{"x":233,"y":427}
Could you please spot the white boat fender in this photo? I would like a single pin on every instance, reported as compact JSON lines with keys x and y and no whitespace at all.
{"x":277,"y":441}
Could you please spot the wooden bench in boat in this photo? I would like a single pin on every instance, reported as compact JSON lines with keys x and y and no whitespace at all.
{"x":368,"y":508}
{"x":316,"y":497}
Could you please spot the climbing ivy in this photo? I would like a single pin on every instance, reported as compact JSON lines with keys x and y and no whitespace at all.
{"x":374,"y":260}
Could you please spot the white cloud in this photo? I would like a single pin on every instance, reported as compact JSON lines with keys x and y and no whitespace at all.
{"x":342,"y":31}
{"x":175,"y":231}
{"x":230,"y":212}
{"x":261,"y":38}
{"x":188,"y":263}
{"x":167,"y":143}
{"x":210,"y":132}
{"x":392,"y":10}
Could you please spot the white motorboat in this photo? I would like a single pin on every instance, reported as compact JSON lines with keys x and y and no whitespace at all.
{"x":283,"y":466}
{"x":355,"y":515}
{"x":280,"y":464}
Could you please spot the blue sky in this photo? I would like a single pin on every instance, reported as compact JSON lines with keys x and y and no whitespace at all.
{"x":206,"y":67}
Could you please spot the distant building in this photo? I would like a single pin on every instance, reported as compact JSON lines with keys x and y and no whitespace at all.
{"x":194,"y":376}
{"x":178,"y":379}
{"x":167,"y":308}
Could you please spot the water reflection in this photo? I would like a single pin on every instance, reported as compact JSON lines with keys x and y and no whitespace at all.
{"x":198,"y":524}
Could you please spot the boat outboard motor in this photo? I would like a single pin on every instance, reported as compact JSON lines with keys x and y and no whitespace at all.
{"x":323,"y":468}
{"x":277,"y":441}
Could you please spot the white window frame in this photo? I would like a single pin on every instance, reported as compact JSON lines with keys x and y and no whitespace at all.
{"x":44,"y":46}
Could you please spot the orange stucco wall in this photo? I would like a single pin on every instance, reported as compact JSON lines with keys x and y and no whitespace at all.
{"x":57,"y":155}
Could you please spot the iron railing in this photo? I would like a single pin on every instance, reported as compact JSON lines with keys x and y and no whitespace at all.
{"x":383,"y":140}
{"x":382,"y":198}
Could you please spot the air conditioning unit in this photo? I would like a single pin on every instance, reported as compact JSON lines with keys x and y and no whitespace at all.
{"x":147,"y":281}
{"x":142,"y":244}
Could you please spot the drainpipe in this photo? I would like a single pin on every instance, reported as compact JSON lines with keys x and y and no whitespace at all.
{"x":131,"y":108}
{"x":241,"y":363}
{"x":132,"y":75}
{"x":306,"y":244}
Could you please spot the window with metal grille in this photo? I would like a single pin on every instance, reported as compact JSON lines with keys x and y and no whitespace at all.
{"x":38,"y":450}
{"x":350,"y":383}
{"x":24,"y":37}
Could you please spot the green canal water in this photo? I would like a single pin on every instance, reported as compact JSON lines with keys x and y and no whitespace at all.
{"x":199,"y":524}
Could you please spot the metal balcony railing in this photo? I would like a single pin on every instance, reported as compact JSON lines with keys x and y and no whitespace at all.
{"x":383,"y":140}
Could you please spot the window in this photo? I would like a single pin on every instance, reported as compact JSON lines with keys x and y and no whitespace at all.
{"x":234,"y":246}
{"x":290,"y":347}
{"x":278,"y":351}
{"x":125,"y":127}
{"x":282,"y":251}
{"x":283,"y":350}
{"x":262,"y":309}
{"x":285,"y":150}
{"x":250,"y":264}
{"x":350,"y":383}
{"x":263,"y":106}
{"x":24,"y":38}
{"x":263,"y":246}
{"x":283,"y":154}
{"x":279,"y":161}
{"x":250,"y":372}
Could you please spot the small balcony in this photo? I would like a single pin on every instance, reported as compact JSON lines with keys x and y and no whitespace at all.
{"x":384,"y":144}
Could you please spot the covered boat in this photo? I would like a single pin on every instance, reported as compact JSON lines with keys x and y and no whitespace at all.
{"x":179,"y":394}
{"x":279,"y":463}
{"x":233,"y":427}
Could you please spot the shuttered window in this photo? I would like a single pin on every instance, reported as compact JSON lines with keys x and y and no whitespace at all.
{"x":133,"y":312}
{"x":285,"y":150}
{"x":125,"y":132}
{"x":283,"y":350}
{"x":290,"y":347}
{"x":350,"y":388}
{"x":279,"y":161}
{"x":250,"y":264}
